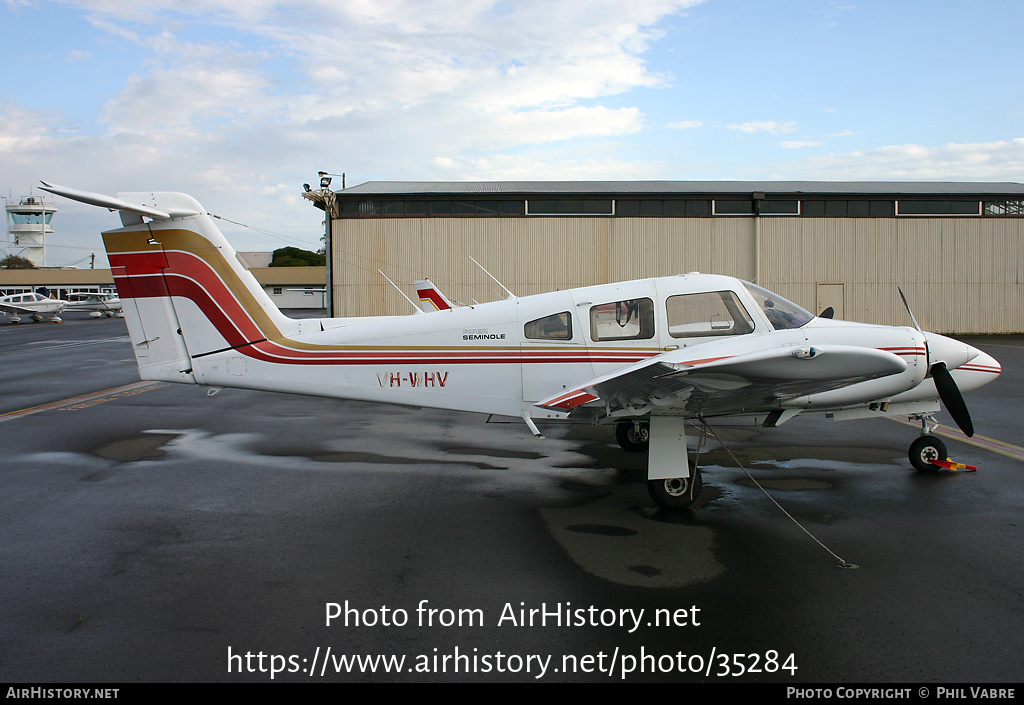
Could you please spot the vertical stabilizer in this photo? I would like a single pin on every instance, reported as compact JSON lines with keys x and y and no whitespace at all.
{"x":431,"y":298}
{"x":185,"y":293}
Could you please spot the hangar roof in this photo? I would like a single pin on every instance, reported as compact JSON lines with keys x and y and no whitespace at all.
{"x":946,"y":188}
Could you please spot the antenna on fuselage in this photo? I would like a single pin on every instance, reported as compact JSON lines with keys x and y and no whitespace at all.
{"x":418,"y":309}
{"x":510,"y":294}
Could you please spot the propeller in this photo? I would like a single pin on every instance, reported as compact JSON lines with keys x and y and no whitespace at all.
{"x":951,"y":397}
{"x":945,"y":385}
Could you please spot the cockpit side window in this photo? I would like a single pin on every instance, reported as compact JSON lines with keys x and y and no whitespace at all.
{"x":632,"y":319}
{"x":706,"y":314}
{"x":782,"y":313}
{"x":557,"y":326}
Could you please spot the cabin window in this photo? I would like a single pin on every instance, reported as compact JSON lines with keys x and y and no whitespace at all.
{"x":706,"y":314}
{"x":632,"y":319}
{"x":782,"y":313}
{"x":557,"y":326}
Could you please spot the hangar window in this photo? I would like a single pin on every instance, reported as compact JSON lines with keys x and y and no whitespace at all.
{"x":734,"y":207}
{"x":423,"y":208}
{"x":669,"y":207}
{"x":854,"y":208}
{"x":632,"y":319}
{"x":705,"y":314}
{"x":938,"y":207}
{"x":557,"y":326}
{"x":570,"y":206}
{"x":778,"y":207}
{"x":1004,"y":208}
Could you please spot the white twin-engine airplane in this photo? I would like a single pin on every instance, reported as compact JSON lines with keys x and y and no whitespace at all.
{"x":645,"y":355}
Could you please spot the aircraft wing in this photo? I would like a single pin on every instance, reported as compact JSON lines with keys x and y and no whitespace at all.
{"x":745,"y":383}
{"x":19,"y":309}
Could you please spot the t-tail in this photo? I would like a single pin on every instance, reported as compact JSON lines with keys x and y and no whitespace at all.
{"x":185,"y":293}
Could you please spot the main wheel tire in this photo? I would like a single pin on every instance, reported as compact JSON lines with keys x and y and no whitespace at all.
{"x":676,"y":492}
{"x":633,"y":437}
{"x":925,"y":449}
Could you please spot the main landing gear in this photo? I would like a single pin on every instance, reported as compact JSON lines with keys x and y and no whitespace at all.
{"x":676,"y":492}
{"x":633,"y":436}
{"x":665,"y":440}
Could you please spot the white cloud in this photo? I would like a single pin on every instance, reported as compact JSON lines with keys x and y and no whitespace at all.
{"x":800,"y":144}
{"x":977,"y":161}
{"x":76,"y":55}
{"x":684,"y":124}
{"x":772,"y":127}
{"x":235,"y":101}
{"x":554,"y":165}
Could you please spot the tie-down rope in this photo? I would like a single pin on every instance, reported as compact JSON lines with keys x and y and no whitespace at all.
{"x":702,"y":439}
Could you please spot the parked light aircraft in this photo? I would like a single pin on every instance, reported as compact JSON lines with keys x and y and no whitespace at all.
{"x":32,"y":304}
{"x":646,"y":356}
{"x":98,"y":303}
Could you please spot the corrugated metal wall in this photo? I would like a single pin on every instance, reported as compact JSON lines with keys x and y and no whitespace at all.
{"x":961,"y":275}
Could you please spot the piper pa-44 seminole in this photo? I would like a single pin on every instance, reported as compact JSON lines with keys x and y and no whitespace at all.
{"x":33,"y":304}
{"x":646,"y":356}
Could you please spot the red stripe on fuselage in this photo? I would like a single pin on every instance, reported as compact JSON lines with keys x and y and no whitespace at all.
{"x":189,"y":276}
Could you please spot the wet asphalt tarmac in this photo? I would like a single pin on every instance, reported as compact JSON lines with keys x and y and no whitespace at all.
{"x":152,"y":533}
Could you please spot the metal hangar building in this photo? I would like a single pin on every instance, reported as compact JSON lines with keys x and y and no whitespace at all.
{"x":954,"y":248}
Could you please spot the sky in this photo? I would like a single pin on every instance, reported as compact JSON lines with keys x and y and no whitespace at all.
{"x":240,"y":102}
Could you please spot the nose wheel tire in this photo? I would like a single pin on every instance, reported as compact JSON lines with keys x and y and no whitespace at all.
{"x":676,"y":492}
{"x":925,"y":449}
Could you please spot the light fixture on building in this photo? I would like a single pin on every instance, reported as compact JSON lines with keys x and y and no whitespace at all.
{"x":325,"y":179}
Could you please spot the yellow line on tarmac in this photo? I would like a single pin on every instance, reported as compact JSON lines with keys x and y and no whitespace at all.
{"x":85,"y":400}
{"x":996,"y":446}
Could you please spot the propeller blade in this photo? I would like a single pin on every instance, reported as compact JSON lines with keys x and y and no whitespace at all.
{"x":907,"y":305}
{"x":950,"y":395}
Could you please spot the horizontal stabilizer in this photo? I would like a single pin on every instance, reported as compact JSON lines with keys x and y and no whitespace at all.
{"x":117,"y":204}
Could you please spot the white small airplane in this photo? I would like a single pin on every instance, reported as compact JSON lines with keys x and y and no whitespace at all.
{"x":646,"y":356}
{"x":32,"y":304}
{"x":98,"y":303}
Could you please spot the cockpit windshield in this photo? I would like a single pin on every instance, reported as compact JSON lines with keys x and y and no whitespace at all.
{"x":782,"y":313}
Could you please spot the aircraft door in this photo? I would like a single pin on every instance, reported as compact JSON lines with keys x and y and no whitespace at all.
{"x":620,"y":323}
{"x":553,"y":347}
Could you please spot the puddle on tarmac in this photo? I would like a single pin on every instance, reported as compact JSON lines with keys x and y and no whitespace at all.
{"x":601,"y":530}
{"x":786,"y":484}
{"x":493,"y":452}
{"x":621,"y":538}
{"x":129,"y":450}
{"x":373,"y":458}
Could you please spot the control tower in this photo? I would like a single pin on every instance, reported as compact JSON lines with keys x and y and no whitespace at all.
{"x":28,"y":223}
